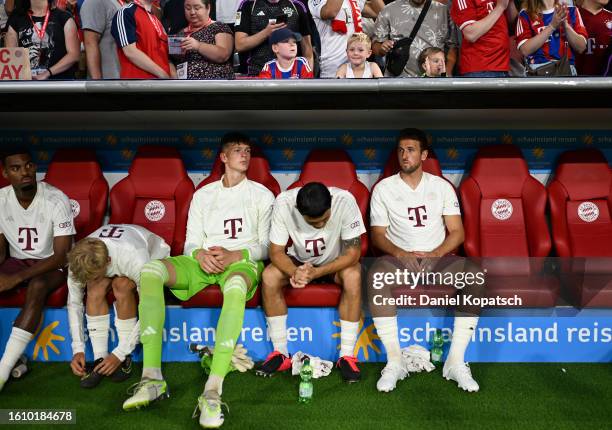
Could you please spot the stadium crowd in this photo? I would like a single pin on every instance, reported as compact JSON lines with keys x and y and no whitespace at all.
{"x":297,"y":39}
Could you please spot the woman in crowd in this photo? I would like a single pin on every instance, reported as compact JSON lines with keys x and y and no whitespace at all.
{"x":207,"y":46}
{"x":51,"y":36}
{"x":547,"y":30}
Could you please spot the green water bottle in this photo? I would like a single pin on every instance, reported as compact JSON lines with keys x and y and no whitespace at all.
{"x":306,"y":388}
{"x":437,"y":347}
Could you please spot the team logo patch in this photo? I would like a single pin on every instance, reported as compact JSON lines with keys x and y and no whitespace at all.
{"x":501,"y":209}
{"x":75,"y":207}
{"x":154,"y":210}
{"x":288,"y":11}
{"x":588,"y":211}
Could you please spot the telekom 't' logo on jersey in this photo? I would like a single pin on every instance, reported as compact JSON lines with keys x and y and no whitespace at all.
{"x":313,"y":244}
{"x":29,"y":236}
{"x":113,"y":232}
{"x":418,"y":214}
{"x":235,"y":227}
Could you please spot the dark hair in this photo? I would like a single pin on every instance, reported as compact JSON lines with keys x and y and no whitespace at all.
{"x":424,"y":54}
{"x":313,"y":200}
{"x":233,"y":138}
{"x":19,"y":150}
{"x":414,"y":134}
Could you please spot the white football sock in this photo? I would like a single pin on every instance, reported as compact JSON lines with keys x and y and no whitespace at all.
{"x":128,"y":337}
{"x":277,"y":330}
{"x":386,"y":327}
{"x":98,"y":327}
{"x":462,"y":334}
{"x":152,"y":373}
{"x":17,"y":343}
{"x":214,"y":383}
{"x":348,"y":337}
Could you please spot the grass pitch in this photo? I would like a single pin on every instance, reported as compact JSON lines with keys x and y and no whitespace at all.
{"x":512,"y":396}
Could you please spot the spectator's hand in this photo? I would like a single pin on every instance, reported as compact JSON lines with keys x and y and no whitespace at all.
{"x":78,"y":364}
{"x":8,"y":282}
{"x":271,"y":28}
{"x":42,"y":76}
{"x":190,"y":44}
{"x":208,"y":262}
{"x":559,"y":16}
{"x":387,"y":46}
{"x":108,"y":365}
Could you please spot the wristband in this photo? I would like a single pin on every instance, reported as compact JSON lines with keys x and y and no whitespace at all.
{"x":50,"y":73}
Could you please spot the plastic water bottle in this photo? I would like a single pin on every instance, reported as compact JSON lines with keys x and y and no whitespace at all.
{"x":306,"y":388}
{"x":437,"y":347}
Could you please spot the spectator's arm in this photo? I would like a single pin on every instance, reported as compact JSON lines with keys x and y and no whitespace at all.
{"x":220,"y":52}
{"x":331,"y":9}
{"x":374,"y":6}
{"x":73,"y":51}
{"x":451,"y":60}
{"x":142,"y":60}
{"x":10,"y":40}
{"x":245,"y":43}
{"x":534,"y":43}
{"x":475,"y":30}
{"x":577,"y":41}
{"x":92,"y":52}
{"x":307,"y":51}
{"x":9,"y":6}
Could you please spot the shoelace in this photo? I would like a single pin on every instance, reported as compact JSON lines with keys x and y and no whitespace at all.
{"x":352,"y":362}
{"x":392,"y":368}
{"x":196,"y":411}
{"x":133,"y":389}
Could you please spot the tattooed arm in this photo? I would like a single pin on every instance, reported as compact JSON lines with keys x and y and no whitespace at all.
{"x":350,"y":254}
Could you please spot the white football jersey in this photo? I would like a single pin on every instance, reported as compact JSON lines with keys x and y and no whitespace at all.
{"x":30,"y":232}
{"x":129,"y":247}
{"x":414,"y":218}
{"x":315,"y":245}
{"x":234,"y":218}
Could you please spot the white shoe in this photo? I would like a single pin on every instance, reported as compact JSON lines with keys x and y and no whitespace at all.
{"x":461,"y":374}
{"x":211,"y":415}
{"x":392,"y":373}
{"x":145,"y":392}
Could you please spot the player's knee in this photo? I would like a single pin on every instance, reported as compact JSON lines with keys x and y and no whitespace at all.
{"x":123,"y":287}
{"x":96,"y":295}
{"x":272,"y":280}
{"x":38,"y":289}
{"x":155,"y":269}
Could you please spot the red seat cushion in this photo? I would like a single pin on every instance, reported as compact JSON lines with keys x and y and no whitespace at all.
{"x":156,"y":194}
{"x":212,"y":297}
{"x":314,"y":295}
{"x":15,"y":298}
{"x":259,"y":171}
{"x":77,"y":173}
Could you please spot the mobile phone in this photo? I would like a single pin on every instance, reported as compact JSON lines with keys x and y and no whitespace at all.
{"x":282,"y":19}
